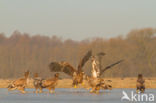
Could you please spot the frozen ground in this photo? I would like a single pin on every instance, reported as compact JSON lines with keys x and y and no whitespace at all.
{"x":68,"y":96}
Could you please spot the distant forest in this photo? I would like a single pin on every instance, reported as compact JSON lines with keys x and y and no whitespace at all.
{"x":21,"y":52}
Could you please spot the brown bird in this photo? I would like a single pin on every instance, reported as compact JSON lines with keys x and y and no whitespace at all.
{"x":76,"y":74}
{"x":140,"y":86}
{"x":20,"y":84}
{"x":95,"y":81}
{"x":37,"y":83}
{"x":51,"y":83}
{"x":96,"y":84}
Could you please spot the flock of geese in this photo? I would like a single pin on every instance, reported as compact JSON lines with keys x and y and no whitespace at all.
{"x":95,"y":81}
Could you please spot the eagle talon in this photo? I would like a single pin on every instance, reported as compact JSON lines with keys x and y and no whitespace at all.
{"x":75,"y":86}
{"x":83,"y":84}
{"x":40,"y":91}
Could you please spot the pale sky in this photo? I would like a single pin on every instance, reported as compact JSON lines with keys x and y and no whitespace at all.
{"x":76,"y":19}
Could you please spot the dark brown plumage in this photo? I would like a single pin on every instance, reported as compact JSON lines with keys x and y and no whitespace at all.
{"x":110,"y":66}
{"x":100,"y":55}
{"x":50,"y":83}
{"x":65,"y":67}
{"x":140,"y":86}
{"x":62,"y":67}
{"x":37,"y":83}
{"x":96,"y":82}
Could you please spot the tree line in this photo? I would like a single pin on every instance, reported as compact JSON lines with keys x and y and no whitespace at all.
{"x":21,"y":52}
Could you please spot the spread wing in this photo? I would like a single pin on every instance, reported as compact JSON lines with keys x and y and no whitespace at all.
{"x":108,"y":67}
{"x":84,"y":60}
{"x":62,"y":67}
{"x":100,"y":55}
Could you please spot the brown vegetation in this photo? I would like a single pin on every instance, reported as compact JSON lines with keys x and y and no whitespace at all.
{"x":116,"y":83}
{"x":21,"y":52}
